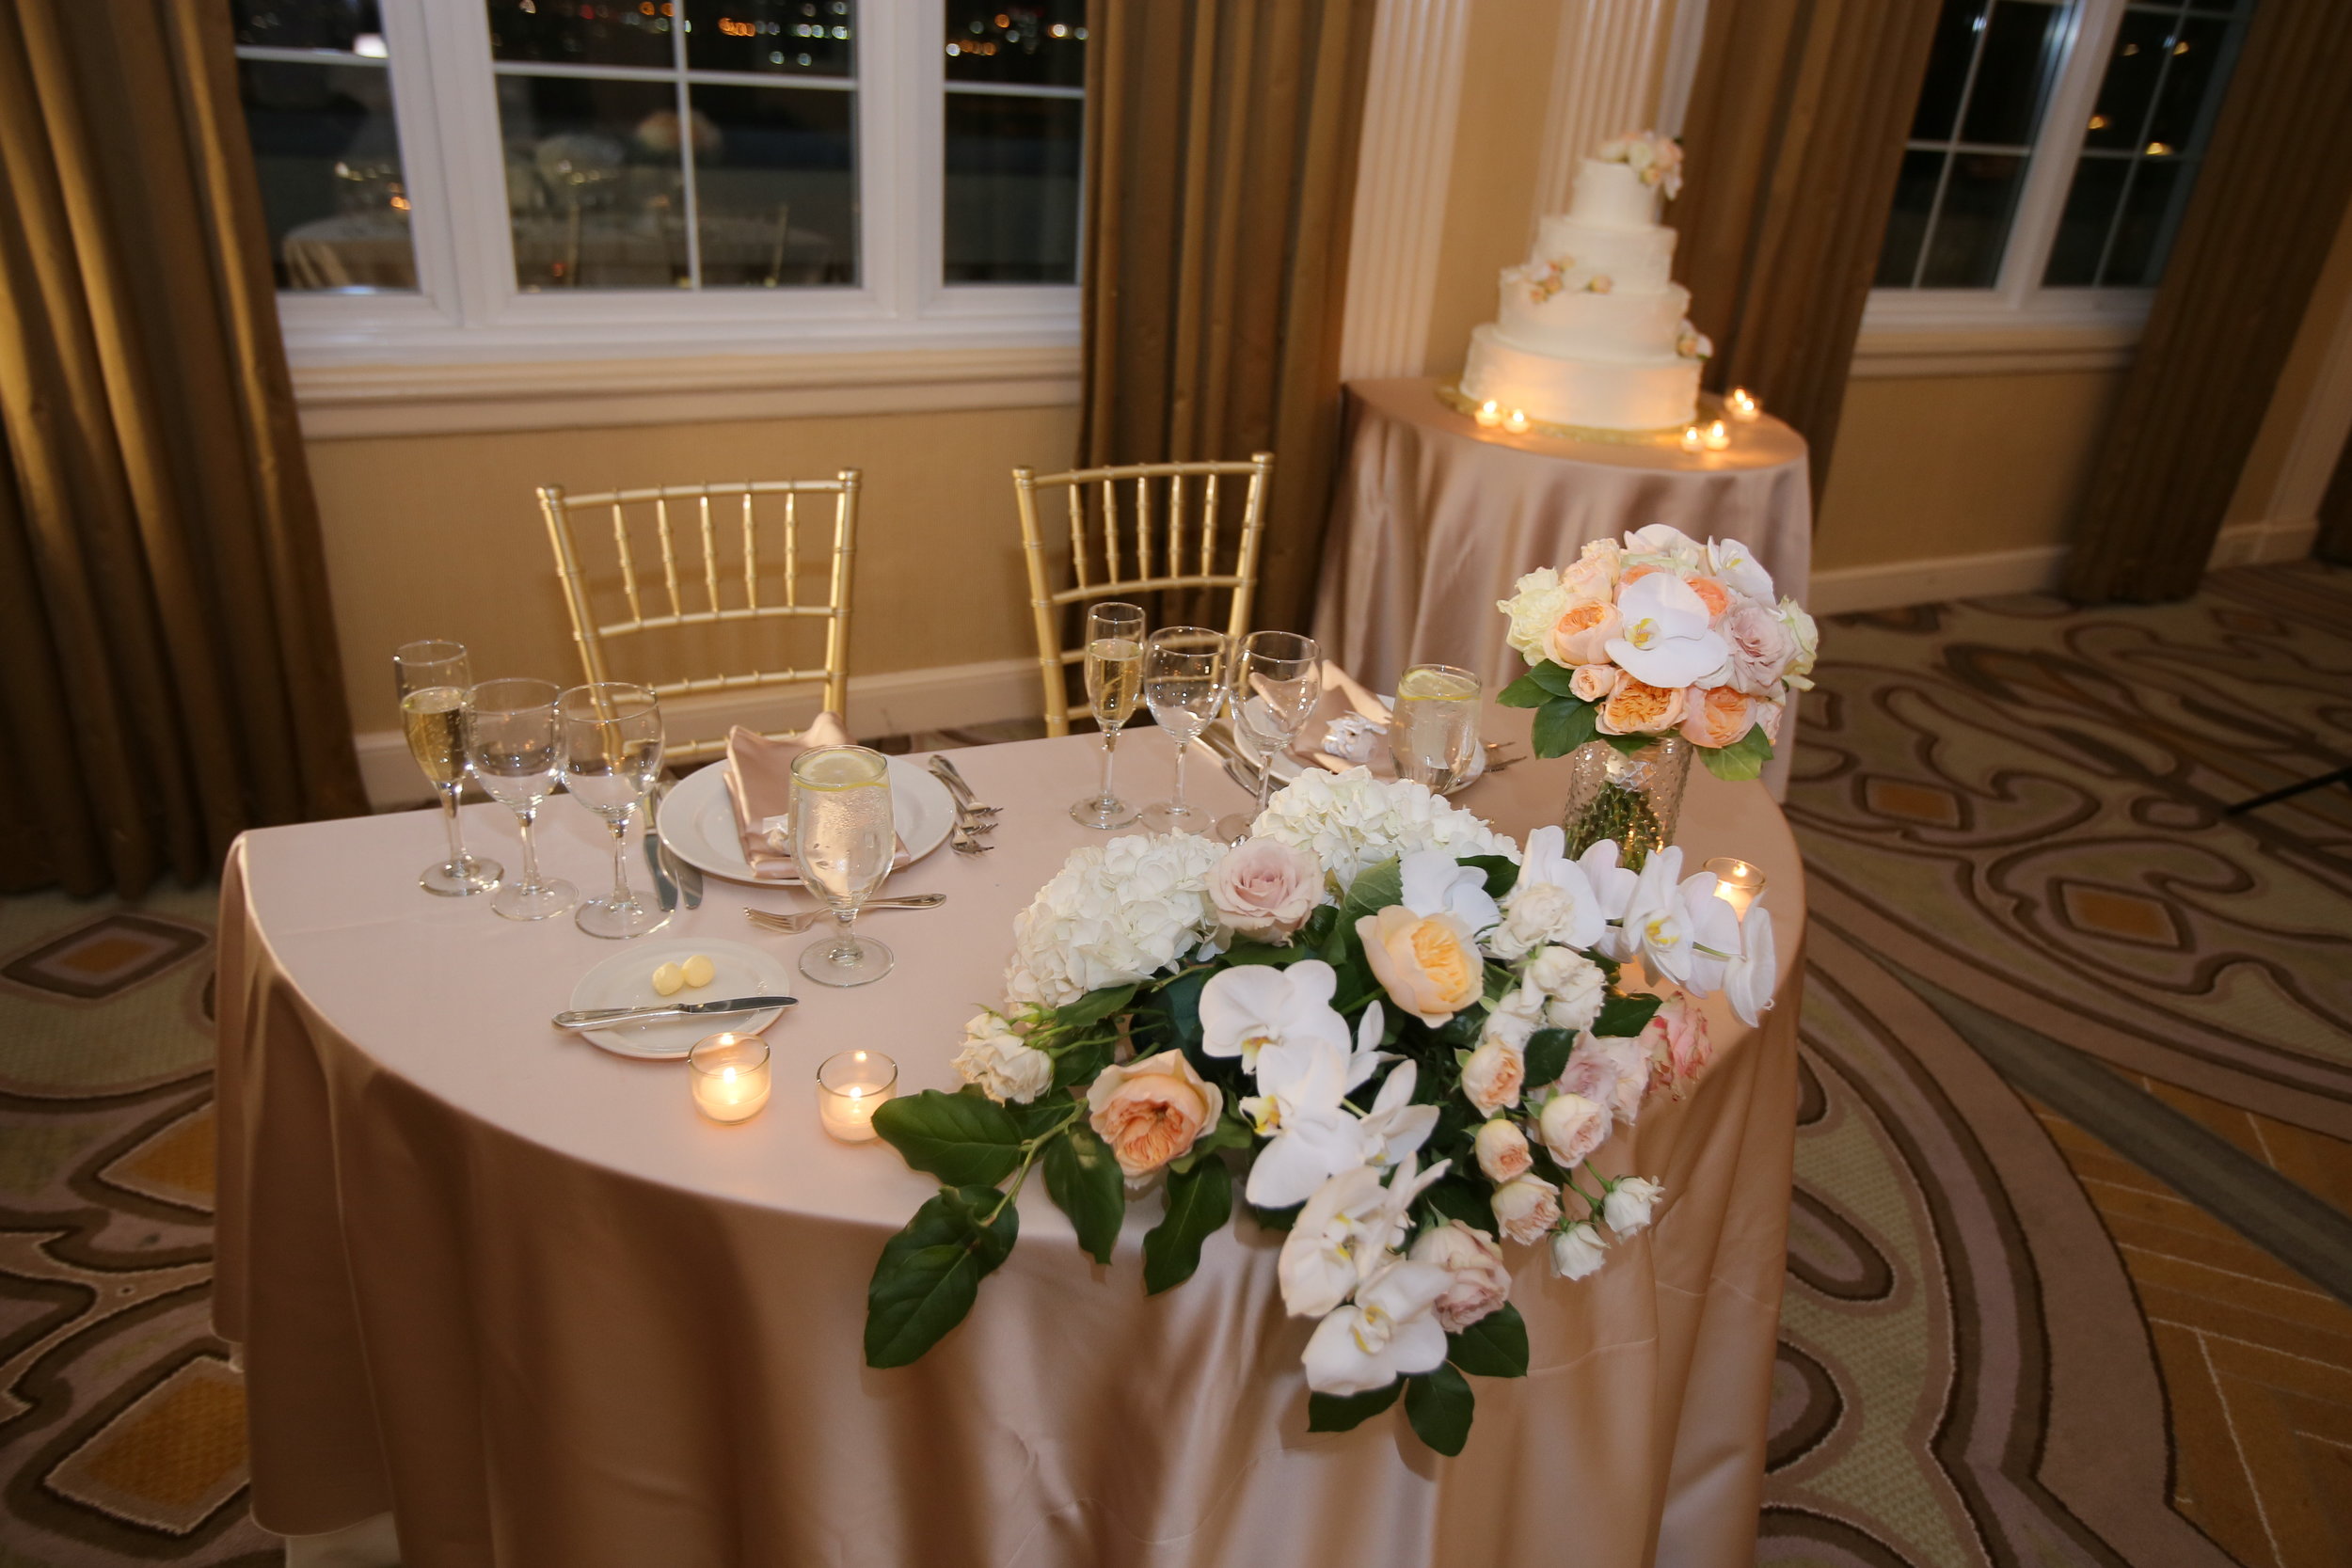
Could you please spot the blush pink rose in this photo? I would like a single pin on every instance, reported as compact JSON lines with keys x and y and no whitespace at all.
{"x":1525,"y":1206}
{"x":1580,"y":633}
{"x":1501,"y":1150}
{"x":1153,"y":1111}
{"x":1573,"y":1127}
{"x":1592,"y":682}
{"x":1761,"y":648}
{"x":1493,"y":1076}
{"x":1480,"y":1283}
{"x":1612,"y":1069}
{"x":1265,"y":889}
{"x":1716,"y":716}
{"x":1677,"y":1042}
{"x":1768,"y":717}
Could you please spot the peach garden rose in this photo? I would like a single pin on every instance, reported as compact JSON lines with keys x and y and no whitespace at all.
{"x":1427,"y":964}
{"x":1636,"y":707}
{"x":1153,"y":1111}
{"x":1582,"y":633}
{"x":1716,"y":714}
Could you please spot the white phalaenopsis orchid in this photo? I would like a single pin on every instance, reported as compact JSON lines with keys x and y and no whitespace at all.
{"x":1395,"y":1129}
{"x":1665,"y":545}
{"x":1247,"y":1009}
{"x":1437,"y":883}
{"x":1657,"y":922}
{"x":1612,"y":888}
{"x":1388,"y":1331}
{"x":1301,"y":1111}
{"x":1668,"y":640}
{"x":1342,"y":1217}
{"x":1714,"y":933}
{"x":1732,"y":566}
{"x":1749,"y":979}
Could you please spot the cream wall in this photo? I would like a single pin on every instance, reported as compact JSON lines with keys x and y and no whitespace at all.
{"x":440,"y":536}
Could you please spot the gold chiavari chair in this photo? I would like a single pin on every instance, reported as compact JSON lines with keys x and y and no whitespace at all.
{"x":731,"y":590}
{"x":1116,"y":556}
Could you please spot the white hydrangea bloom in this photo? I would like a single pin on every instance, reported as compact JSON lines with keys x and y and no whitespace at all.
{"x":1352,"y":821}
{"x":1114,"y":912}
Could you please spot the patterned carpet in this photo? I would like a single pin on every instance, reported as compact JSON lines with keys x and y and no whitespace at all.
{"x":2070,"y":1265}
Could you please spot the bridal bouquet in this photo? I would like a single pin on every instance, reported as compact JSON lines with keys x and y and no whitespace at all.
{"x":1659,"y":636}
{"x":1398,"y":1032}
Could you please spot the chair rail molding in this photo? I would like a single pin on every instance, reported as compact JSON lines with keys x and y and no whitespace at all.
{"x":1605,"y":72}
{"x":1412,"y":103}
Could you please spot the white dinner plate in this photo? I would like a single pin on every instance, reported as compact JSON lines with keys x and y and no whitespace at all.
{"x":626,"y":980}
{"x":697,"y":820}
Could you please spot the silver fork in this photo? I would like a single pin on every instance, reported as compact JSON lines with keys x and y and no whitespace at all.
{"x":792,"y":924}
{"x":951,"y":775}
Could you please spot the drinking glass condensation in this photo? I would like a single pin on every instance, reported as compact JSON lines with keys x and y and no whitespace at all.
{"x":1278,"y":679}
{"x":1184,"y":682}
{"x":1114,"y":686}
{"x":1433,"y":734}
{"x":514,"y":740}
{"x":843,"y":840}
{"x":433,"y":679}
{"x":611,"y":755}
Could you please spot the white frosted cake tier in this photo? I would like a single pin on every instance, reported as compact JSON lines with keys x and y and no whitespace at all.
{"x":1629,"y":258}
{"x":1649,"y":394}
{"x":1617,"y":327}
{"x":1613,"y":195}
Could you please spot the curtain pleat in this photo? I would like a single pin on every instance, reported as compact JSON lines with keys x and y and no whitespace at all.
{"x":2267,"y":205}
{"x":1221,"y":164}
{"x":1795,"y":141}
{"x":172,"y":669}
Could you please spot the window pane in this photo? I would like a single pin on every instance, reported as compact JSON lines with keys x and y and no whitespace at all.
{"x":775,"y":180}
{"x":2192,"y":84}
{"x":1907,"y":224}
{"x":338,"y":25}
{"x":1039,"y":45}
{"x":2129,"y":82}
{"x":328,"y":158}
{"x":594,"y":185}
{"x":1972,"y":224}
{"x":795,"y":38}
{"x":1955,"y":50}
{"x":2143,"y":236}
{"x":2005,"y":102}
{"x":581,"y":32}
{"x":1013,"y":188}
{"x":2082,"y":232}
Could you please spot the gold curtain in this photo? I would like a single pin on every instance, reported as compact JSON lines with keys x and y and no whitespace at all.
{"x":1220,"y":171}
{"x":1795,"y":136}
{"x":2267,"y":203}
{"x":2335,"y":513}
{"x":171,"y":674}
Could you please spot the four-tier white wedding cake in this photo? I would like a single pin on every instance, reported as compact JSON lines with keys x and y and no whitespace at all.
{"x":1593,"y":330}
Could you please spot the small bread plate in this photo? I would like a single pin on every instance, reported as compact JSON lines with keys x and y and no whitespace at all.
{"x":626,"y":980}
{"x":697,"y":820}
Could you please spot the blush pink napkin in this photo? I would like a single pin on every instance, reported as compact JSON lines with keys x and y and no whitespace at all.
{"x":760,"y":781}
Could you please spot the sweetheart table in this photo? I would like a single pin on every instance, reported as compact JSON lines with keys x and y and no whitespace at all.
{"x":514,"y":1290}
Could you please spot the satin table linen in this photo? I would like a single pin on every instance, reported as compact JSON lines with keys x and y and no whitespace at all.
{"x":514,"y":1290}
{"x":1435,"y":518}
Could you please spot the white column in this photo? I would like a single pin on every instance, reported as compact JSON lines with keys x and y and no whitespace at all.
{"x":1412,"y":99}
{"x":1606,"y":73}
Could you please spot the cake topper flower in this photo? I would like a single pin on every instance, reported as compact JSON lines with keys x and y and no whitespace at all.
{"x":1656,"y":159}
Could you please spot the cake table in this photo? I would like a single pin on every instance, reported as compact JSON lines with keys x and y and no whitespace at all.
{"x":1437,"y":516}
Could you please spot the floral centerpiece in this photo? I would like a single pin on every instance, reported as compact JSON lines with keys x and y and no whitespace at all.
{"x":1650,"y":650}
{"x":1656,"y":159}
{"x":1400,"y":1034}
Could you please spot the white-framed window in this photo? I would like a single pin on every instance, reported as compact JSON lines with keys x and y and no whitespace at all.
{"x":2053,"y":151}
{"x":468,"y":180}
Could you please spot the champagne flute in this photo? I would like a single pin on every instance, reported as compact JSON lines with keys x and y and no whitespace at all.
{"x":432,"y":677}
{"x":1433,"y":735}
{"x":611,"y":755}
{"x":1114,"y":685}
{"x":514,"y":740}
{"x":1278,"y":679}
{"x":1184,"y":682}
{"x":843,"y":839}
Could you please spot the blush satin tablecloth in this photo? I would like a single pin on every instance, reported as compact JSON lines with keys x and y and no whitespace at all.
{"x":513,"y":1289}
{"x":1435,"y":518}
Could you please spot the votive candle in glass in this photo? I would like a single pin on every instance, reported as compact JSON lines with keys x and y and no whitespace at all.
{"x":1737,"y":882}
{"x":1693,"y":439}
{"x":729,"y":1074}
{"x":1741,"y":405}
{"x":1516,"y":421}
{"x":1489,"y":414}
{"x":850,"y":1088}
{"x":1717,"y":436}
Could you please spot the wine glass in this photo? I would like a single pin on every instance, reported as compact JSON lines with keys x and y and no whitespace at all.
{"x":843,"y":839}
{"x":514,"y":740}
{"x":611,"y":755}
{"x":1184,"y":681}
{"x":1433,"y":735}
{"x":1114,"y":685}
{"x":433,"y":678}
{"x":1278,"y":679}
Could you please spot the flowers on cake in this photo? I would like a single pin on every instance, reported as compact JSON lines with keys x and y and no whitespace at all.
{"x":1659,"y":635}
{"x":1691,"y":343}
{"x":1656,"y":159}
{"x":1396,"y":1036}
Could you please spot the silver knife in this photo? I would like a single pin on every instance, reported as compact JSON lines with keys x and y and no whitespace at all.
{"x":599,"y":1017}
{"x":665,"y":887}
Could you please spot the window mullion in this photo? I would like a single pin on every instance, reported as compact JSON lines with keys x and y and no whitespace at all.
{"x":457,"y":57}
{"x":2058,"y":147}
{"x":425,"y":157}
{"x":692,"y":196}
{"x":891,"y":149}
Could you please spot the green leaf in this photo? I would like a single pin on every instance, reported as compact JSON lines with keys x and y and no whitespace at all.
{"x":1558,"y":679}
{"x":1440,"y":1405}
{"x":962,"y":1139}
{"x":1084,"y":1179}
{"x":1374,"y":889}
{"x":1547,"y":1056}
{"x":1345,"y":1413}
{"x":1501,"y":874}
{"x":1627,"y":1015}
{"x":1527,"y":692}
{"x":1562,"y":725}
{"x":1629,"y":744}
{"x":1094,"y":1007}
{"x":1744,"y":758}
{"x":1199,"y":1201}
{"x":1494,"y":1346}
{"x":1458,"y":1199}
{"x":1081,"y":1064}
{"x":929,"y":1272}
{"x":1231,"y":1132}
{"x":1260,"y":952}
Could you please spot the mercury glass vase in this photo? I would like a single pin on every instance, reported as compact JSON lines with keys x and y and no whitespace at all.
{"x":1633,"y":797}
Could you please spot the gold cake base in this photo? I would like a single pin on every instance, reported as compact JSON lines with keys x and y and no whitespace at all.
{"x":1450,"y":393}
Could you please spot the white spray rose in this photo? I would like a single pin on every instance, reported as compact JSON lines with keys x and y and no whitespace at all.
{"x":1577,"y":1252}
{"x":1005,"y":1065}
{"x":1573,"y":1127}
{"x":1577,"y":986}
{"x":1627,"y":1207}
